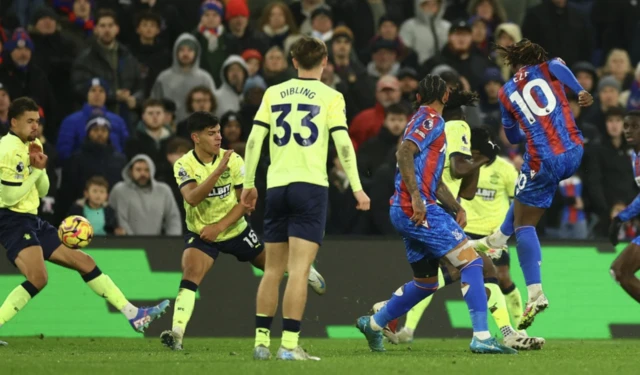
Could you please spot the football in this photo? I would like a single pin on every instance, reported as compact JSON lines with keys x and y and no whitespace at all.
{"x":75,"y":232}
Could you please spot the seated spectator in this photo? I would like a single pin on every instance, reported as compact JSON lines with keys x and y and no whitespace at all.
{"x":95,"y":208}
{"x":276,"y":68}
{"x":73,"y":131}
{"x":242,"y":36}
{"x":54,"y":53}
{"x":96,"y":157}
{"x":212,"y":51}
{"x":630,"y":99}
{"x":22,"y":77}
{"x":384,"y":59}
{"x":5,"y":102}
{"x":373,"y":153}
{"x":586,"y":74}
{"x":253,"y":58}
{"x":302,"y":12}
{"x":368,"y":122}
{"x":200,"y":98}
{"x":144,"y":206}
{"x":408,"y":78}
{"x":112,"y":61}
{"x":185,"y":74}
{"x":618,"y":66}
{"x":77,"y":20}
{"x":152,"y":54}
{"x":608,"y":98}
{"x":388,"y":30}
{"x":277,"y":23}
{"x":232,"y":137}
{"x":234,"y":74}
{"x":426,"y":33}
{"x":506,"y":34}
{"x":151,"y":135}
{"x":322,"y":23}
{"x":573,"y":221}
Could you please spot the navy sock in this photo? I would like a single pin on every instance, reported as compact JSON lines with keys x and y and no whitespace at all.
{"x":264,"y":321}
{"x":507,"y":225}
{"x":529,"y":254}
{"x":290,"y":325}
{"x":474,"y":294}
{"x":403,"y":300}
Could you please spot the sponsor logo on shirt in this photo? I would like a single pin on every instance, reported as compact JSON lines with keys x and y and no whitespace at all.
{"x":220,"y":191}
{"x":486,"y":194}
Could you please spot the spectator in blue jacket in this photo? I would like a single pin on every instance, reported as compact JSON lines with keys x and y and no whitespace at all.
{"x":73,"y":129}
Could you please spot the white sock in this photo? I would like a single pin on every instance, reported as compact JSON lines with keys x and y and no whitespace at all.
{"x":374,"y":325}
{"x":129,"y":311}
{"x":498,"y":239}
{"x":508,"y":331}
{"x":408,"y":330}
{"x":178,"y":331}
{"x":534,"y":290}
{"x":482,"y":335}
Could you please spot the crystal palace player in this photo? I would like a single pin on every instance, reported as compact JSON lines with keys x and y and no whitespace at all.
{"x":535,"y":108}
{"x":624,"y":268}
{"x":429,"y":232}
{"x":29,"y":240}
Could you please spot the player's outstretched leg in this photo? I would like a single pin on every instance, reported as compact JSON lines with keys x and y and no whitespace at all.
{"x":624,"y":268}
{"x":102,"y":285}
{"x":30,"y":262}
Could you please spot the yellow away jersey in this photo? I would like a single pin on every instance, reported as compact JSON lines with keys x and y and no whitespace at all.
{"x":496,"y":186}
{"x":458,"y":135}
{"x":15,"y":168}
{"x":300,"y":114}
{"x":221,"y":199}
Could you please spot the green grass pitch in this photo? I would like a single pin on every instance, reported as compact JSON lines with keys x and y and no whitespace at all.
{"x":26,"y":356}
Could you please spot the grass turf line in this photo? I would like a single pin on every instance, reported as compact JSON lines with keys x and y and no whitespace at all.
{"x":26,"y":356}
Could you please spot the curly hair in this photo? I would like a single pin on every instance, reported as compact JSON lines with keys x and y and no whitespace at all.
{"x":525,"y":52}
{"x":458,"y":98}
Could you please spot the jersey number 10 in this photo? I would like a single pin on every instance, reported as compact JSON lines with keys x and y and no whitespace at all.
{"x":285,"y":110}
{"x":529,"y":106}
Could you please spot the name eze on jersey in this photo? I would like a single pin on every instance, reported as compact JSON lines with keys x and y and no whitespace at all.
{"x":220,"y":191}
{"x":486,"y":194}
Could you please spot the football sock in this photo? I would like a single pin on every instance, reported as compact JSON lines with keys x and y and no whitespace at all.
{"x":498,"y":307}
{"x":103,"y":286}
{"x":514,"y":303}
{"x":402,"y":301}
{"x":507,"y":225}
{"x":263,"y":330}
{"x":17,"y":300}
{"x":530,"y":258}
{"x":475,"y":297}
{"x":415,"y":314}
{"x":185,"y":301}
{"x":290,"y":333}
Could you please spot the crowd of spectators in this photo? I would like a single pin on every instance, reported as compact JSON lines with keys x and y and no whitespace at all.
{"x":116,"y":79}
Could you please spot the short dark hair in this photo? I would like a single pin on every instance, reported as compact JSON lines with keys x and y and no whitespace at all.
{"x":98,"y":181}
{"x":148,"y":15}
{"x":21,"y":105}
{"x":615,"y":112}
{"x":634,"y":113}
{"x":152,"y":103}
{"x":199,"y":121}
{"x":178,"y":144}
{"x":458,"y":98}
{"x":103,"y":13}
{"x":396,"y":109}
{"x":309,"y":52}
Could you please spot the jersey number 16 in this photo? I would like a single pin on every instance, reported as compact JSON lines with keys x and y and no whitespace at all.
{"x":285,"y":110}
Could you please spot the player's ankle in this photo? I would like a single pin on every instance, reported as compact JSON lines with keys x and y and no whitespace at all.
{"x":534,"y":291}
{"x":508,"y":331}
{"x":482,"y":335}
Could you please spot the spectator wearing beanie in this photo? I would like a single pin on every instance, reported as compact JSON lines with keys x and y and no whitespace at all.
{"x":426,"y":33}
{"x":22,"y":77}
{"x":322,"y":23}
{"x":253,"y":58}
{"x":76,"y":20}
{"x":408,"y":78}
{"x":153,"y":55}
{"x":388,"y":30}
{"x":241,"y":36}
{"x":185,"y":74}
{"x":210,"y":34}
{"x":73,"y":128}
{"x":96,"y":157}
{"x":608,"y":98}
{"x":384,"y":59}
{"x":587,"y":75}
{"x":277,"y":23}
{"x":5,"y":102}
{"x":54,"y":53}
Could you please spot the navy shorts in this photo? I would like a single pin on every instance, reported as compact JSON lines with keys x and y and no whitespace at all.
{"x":245,"y":247}
{"x":432,"y":240}
{"x":19,"y":231}
{"x":537,"y":188}
{"x":296,"y":210}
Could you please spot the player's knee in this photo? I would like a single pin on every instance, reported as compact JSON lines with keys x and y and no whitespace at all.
{"x":617,"y":273}
{"x":39,"y":279}
{"x":85,"y":262}
{"x":194,"y":273}
{"x":504,"y":279}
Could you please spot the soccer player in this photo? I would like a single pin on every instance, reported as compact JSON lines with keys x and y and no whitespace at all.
{"x":300,"y":114}
{"x":624,"y":268}
{"x":29,"y":240}
{"x":429,"y":232}
{"x":210,"y":180}
{"x":535,"y":108}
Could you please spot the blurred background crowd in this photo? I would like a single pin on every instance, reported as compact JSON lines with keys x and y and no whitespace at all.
{"x":115,"y":80}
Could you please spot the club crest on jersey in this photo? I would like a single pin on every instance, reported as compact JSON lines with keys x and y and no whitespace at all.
{"x":533,"y":174}
{"x":457,"y":235}
{"x":226,"y":173}
{"x":220,"y":191}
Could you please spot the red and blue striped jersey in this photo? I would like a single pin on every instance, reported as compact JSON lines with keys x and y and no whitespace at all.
{"x":426,"y":130}
{"x":535,"y":100}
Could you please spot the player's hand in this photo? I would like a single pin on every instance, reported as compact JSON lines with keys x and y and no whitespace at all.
{"x":39,"y":160}
{"x":223,"y":163}
{"x":419,"y":210}
{"x":210,"y":232}
{"x":364,"y":203}
{"x":34,"y":148}
{"x":585,"y":99}
{"x":461,"y":217}
{"x":249,"y":197}
{"x":614,"y":230}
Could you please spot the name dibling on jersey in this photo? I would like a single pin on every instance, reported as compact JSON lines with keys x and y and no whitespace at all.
{"x":298,"y":90}
{"x":486,"y":194}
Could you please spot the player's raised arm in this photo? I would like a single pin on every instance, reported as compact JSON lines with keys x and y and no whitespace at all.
{"x":192,"y":192}
{"x":564,"y":75}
